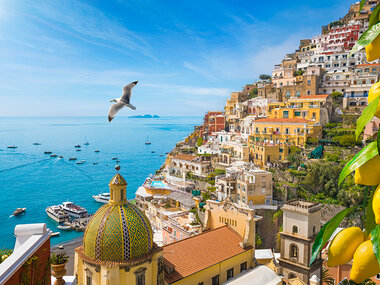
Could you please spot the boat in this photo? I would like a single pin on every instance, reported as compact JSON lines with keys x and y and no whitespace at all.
{"x":114,"y":158}
{"x":54,"y":155}
{"x":161,"y":155}
{"x":94,"y":163}
{"x":60,"y":246}
{"x":97,"y":150}
{"x":152,"y":151}
{"x":166,"y":153}
{"x":12,"y":146}
{"x":74,"y":210}
{"x":79,"y":162}
{"x":83,"y":161}
{"x":55,"y":234}
{"x":78,"y":149}
{"x":78,"y":145}
{"x":57,"y":214}
{"x":19,"y":211}
{"x":64,"y":227}
{"x":72,"y":158}
{"x":102,"y":198}
{"x":36,"y":143}
{"x":117,"y":161}
{"x":147,"y":141}
{"x":47,"y":152}
{"x":86,"y":142}
{"x":61,"y":156}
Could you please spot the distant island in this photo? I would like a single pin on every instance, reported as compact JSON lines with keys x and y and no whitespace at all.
{"x":147,"y":116}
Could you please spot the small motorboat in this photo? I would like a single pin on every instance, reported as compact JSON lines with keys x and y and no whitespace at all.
{"x":152,"y":151}
{"x":78,"y":149}
{"x":72,"y":158}
{"x":77,"y":146}
{"x":97,"y":150}
{"x":147,"y":141}
{"x":60,"y":246}
{"x":55,"y":234}
{"x":166,"y":153}
{"x":47,"y":152}
{"x":19,"y":211}
{"x":114,"y":158}
{"x":53,"y":155}
{"x":79,"y":162}
{"x":117,"y":161}
{"x":12,"y":146}
{"x":61,"y":156}
{"x":83,"y":160}
{"x":94,"y":163}
{"x":64,"y":227}
{"x":36,"y":143}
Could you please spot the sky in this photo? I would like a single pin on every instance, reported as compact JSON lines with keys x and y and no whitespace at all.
{"x":71,"y":57}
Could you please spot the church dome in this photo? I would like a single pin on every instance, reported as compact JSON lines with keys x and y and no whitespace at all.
{"x":118,"y":231}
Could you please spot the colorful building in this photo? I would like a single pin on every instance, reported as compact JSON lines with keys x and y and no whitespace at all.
{"x":213,"y":122}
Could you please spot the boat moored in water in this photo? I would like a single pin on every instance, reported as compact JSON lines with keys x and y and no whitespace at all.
{"x":79,"y":162}
{"x":12,"y":146}
{"x":61,"y":156}
{"x":74,"y":210}
{"x":102,"y":198}
{"x":55,"y":234}
{"x":86,"y":142}
{"x":72,"y":158}
{"x":19,"y":211}
{"x":57,"y":214}
{"x":47,"y":152}
{"x":54,"y":155}
{"x":114,"y":158}
{"x":36,"y":143}
{"x":97,"y":150}
{"x":78,"y":145}
{"x":147,"y":141}
{"x":64,"y":227}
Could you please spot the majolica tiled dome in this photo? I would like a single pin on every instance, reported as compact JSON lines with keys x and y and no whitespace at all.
{"x":118,"y":231}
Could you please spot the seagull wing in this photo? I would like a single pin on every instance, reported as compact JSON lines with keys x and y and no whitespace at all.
{"x":127,"y":92}
{"x":114,"y":109}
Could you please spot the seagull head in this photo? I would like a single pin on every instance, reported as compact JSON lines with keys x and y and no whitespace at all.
{"x":134,"y":82}
{"x":113,"y":100}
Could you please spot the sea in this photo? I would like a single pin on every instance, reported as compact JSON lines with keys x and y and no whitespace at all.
{"x":33,"y":180}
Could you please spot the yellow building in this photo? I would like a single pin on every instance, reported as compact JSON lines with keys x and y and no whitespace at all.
{"x":118,"y":245}
{"x":293,"y":131}
{"x":316,"y":108}
{"x":232,"y":114}
{"x":263,"y":154}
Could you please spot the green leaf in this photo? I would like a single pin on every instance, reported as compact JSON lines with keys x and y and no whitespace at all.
{"x":374,"y":16}
{"x":366,"y":116}
{"x":366,"y":38}
{"x":326,"y":231}
{"x":362,"y":2}
{"x":370,"y":215}
{"x":375,"y":239}
{"x":367,"y":153}
{"x":378,"y":142}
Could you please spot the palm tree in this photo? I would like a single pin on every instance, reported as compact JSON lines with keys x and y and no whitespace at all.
{"x":326,"y":277}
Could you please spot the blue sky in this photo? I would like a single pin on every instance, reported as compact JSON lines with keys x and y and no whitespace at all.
{"x":70,"y":58}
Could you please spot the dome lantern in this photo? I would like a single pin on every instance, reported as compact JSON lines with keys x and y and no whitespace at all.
{"x":118,"y":188}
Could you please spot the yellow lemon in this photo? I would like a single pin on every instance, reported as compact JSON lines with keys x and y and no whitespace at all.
{"x":372,"y":95}
{"x":373,"y":49}
{"x":343,"y":246}
{"x":365,"y":264}
{"x":369,"y":172}
{"x":376,"y":204}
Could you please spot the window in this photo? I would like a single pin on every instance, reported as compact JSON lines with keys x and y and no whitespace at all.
{"x":88,"y":280}
{"x":309,"y":82}
{"x":298,"y":93}
{"x":215,"y":280}
{"x":243,"y":266}
{"x":286,"y":131}
{"x":292,"y":275}
{"x":230,"y":273}
{"x":140,"y":276}
{"x":285,"y":114}
{"x":288,"y":93}
{"x":314,"y":229}
{"x":295,"y":230}
{"x":293,"y":251}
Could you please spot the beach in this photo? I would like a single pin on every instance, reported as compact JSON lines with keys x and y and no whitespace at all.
{"x":69,"y":248}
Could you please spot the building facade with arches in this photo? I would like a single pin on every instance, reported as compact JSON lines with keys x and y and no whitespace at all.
{"x":301,"y":223}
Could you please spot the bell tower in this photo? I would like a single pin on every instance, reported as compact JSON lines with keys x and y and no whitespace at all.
{"x":301,"y":223}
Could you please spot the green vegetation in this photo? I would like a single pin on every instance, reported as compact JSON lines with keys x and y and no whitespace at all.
{"x":265,"y":77}
{"x":253,"y":93}
{"x":4,"y":253}
{"x":199,"y":142}
{"x":259,"y":241}
{"x":336,"y":95}
{"x":346,"y":140}
{"x":60,"y":258}
{"x":299,"y":72}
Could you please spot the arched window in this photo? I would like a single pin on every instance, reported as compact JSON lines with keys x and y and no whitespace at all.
{"x":293,"y":251}
{"x":295,"y":230}
{"x":292,"y":275}
{"x":314,"y":229}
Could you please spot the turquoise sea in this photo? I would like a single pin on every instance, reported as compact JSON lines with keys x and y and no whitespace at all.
{"x":31,"y":179}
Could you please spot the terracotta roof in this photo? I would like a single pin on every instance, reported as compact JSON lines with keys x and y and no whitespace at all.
{"x":314,"y":96}
{"x":282,"y":120}
{"x":199,"y":252}
{"x":368,"y":64}
{"x":183,"y":156}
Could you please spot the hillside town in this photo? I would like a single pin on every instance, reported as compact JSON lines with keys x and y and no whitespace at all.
{"x":242,"y":198}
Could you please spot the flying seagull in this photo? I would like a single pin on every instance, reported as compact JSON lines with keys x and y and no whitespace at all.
{"x":122,"y":101}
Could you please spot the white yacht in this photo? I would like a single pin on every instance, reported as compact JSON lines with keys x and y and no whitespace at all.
{"x":57,"y":214}
{"x":73,"y":210}
{"x":102,"y":198}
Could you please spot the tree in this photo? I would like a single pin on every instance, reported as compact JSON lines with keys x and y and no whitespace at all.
{"x":253,"y":93}
{"x":326,"y":277}
{"x":336,"y":95}
{"x":199,"y":141}
{"x":345,"y":140}
{"x":299,"y":72}
{"x":265,"y":77}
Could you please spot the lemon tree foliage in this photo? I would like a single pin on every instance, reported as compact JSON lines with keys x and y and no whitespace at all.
{"x":366,"y":38}
{"x":366,"y":116}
